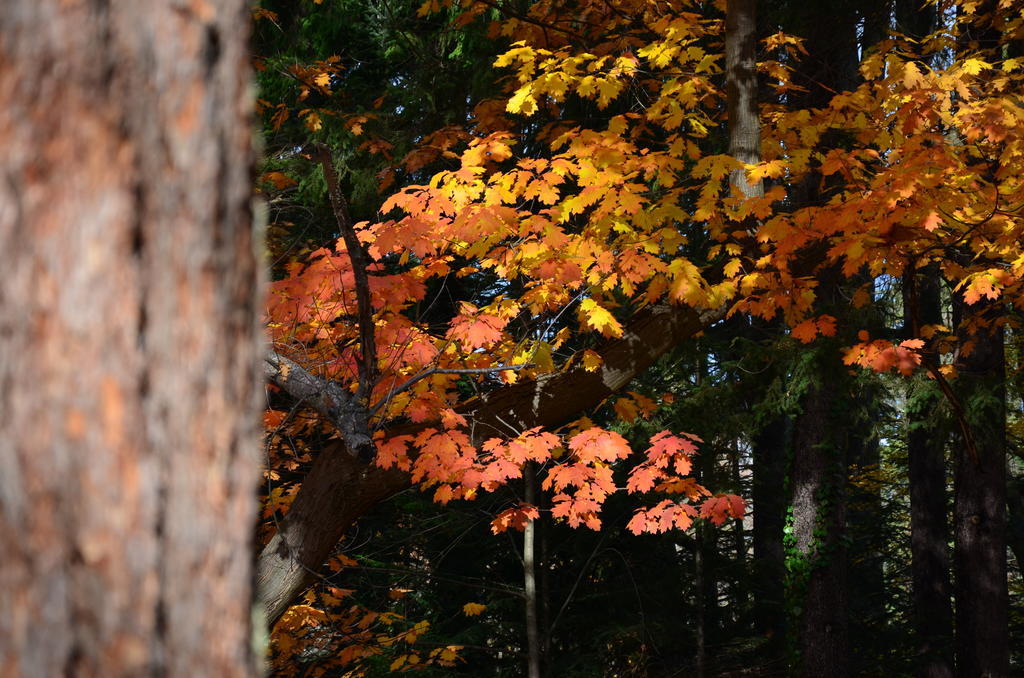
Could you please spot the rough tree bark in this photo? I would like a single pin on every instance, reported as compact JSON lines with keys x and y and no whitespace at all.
{"x":818,"y":479}
{"x":128,"y":339}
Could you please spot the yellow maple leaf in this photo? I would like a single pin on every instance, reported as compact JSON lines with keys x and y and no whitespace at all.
{"x":313,"y":121}
{"x":600,"y":318}
{"x":473,"y":609}
{"x":607,"y":90}
{"x":733,"y":267}
{"x":522,"y":101}
{"x":772,"y":169}
{"x":591,"y":360}
{"x":975,"y":66}
{"x":912,"y":77}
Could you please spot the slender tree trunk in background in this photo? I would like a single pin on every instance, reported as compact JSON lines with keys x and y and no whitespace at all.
{"x":1015,"y":521}
{"x":706,"y":581}
{"x":1015,"y":483}
{"x":979,"y":504}
{"x":543,"y":533}
{"x":700,"y":605}
{"x":865,"y":523}
{"x":740,"y":600}
{"x":129,"y":340}
{"x":533,"y":653}
{"x":929,"y":531}
{"x":705,"y":592}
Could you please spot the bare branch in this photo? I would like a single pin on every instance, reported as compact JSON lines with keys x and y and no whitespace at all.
{"x":340,"y":407}
{"x":506,"y":10}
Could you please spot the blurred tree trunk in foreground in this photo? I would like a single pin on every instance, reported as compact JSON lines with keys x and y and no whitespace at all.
{"x":129,"y":339}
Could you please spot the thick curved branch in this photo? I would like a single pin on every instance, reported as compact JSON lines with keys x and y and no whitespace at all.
{"x":338,"y":490}
{"x":558,"y":398}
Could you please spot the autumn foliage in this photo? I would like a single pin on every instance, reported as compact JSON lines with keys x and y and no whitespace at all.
{"x":594,"y":187}
{"x":586,"y":231}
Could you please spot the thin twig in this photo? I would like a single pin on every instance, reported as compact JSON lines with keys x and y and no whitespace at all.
{"x":423,"y":374}
{"x":367,"y":342}
{"x":504,"y":9}
{"x":575,"y":585}
{"x":932,"y":368}
{"x":433,"y":575}
{"x":958,"y":410}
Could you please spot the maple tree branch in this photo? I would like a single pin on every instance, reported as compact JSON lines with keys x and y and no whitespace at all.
{"x":931,"y":366}
{"x":530,"y":20}
{"x":958,"y":410}
{"x":556,"y":398}
{"x":423,"y":374}
{"x":341,"y":487}
{"x":367,"y":341}
{"x":576,"y":584}
{"x":432,"y":575}
{"x":327,"y":397}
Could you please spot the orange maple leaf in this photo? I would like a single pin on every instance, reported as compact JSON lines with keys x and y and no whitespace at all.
{"x":722,"y":506}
